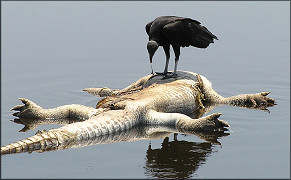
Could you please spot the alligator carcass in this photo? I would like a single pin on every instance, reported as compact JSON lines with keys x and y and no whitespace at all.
{"x":168,"y":105}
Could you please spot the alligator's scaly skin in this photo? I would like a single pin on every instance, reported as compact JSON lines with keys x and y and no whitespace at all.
{"x":149,"y":101}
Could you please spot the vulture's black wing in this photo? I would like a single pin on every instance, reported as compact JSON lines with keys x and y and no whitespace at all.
{"x":178,"y":33}
{"x":186,"y":32}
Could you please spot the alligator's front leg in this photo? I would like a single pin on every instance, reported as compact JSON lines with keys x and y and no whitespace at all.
{"x":135,"y":86}
{"x":73,"y":111}
{"x":102,"y":92}
{"x":253,"y":101}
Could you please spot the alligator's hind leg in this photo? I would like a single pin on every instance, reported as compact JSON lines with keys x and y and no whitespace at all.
{"x":73,"y":111}
{"x":184,"y":123}
{"x":205,"y":124}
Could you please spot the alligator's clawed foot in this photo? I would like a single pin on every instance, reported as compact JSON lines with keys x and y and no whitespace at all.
{"x":28,"y":110}
{"x":209,"y":123}
{"x":212,"y":123}
{"x":260,"y":101}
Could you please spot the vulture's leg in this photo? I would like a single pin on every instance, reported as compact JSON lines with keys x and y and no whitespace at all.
{"x":152,"y":69}
{"x":177,"y":54}
{"x":167,"y":52}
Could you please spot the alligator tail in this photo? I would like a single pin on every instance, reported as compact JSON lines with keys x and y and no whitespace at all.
{"x":75,"y":134}
{"x":40,"y":142}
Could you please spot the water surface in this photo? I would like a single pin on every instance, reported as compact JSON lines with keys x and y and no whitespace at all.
{"x":53,"y":50}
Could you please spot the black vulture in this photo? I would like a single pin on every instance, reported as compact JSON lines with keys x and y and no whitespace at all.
{"x":178,"y":32}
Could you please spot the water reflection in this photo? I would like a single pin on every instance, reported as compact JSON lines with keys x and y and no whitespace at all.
{"x":176,"y":159}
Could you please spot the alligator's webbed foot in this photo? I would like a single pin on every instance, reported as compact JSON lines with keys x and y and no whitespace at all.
{"x":208,"y":123}
{"x":212,"y":123}
{"x":28,"y":110}
{"x":254,"y":101}
{"x":261,"y":100}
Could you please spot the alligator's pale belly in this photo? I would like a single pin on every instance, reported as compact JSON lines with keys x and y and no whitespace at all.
{"x":174,"y":99}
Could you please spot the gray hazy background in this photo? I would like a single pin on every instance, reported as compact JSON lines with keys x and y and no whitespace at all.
{"x":53,"y":50}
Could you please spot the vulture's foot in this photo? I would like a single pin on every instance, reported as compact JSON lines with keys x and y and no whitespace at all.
{"x":169,"y":75}
{"x":159,"y":74}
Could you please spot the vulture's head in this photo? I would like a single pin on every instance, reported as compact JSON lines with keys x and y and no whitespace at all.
{"x":152,"y":47}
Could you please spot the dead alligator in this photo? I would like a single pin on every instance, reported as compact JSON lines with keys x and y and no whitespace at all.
{"x":171,"y":105}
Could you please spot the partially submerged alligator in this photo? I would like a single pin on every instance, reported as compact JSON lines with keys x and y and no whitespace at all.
{"x":169,"y":105}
